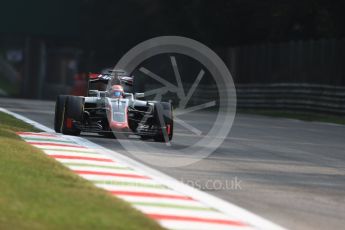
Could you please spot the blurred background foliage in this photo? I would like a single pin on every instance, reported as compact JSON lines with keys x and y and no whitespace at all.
{"x":44,"y":44}
{"x":115,"y":26}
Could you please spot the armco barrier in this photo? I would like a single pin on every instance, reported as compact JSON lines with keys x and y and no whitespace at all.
{"x":286,"y":96}
{"x":297,"y":97}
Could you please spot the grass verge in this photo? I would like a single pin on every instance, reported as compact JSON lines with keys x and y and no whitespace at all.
{"x":37,"y":192}
{"x":10,"y":88}
{"x":297,"y":115}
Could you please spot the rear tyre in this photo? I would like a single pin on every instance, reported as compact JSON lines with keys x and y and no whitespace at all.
{"x":74,"y":108}
{"x":163,"y":113}
{"x":59,"y":110}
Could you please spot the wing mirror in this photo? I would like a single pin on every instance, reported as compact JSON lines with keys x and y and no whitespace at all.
{"x":139,"y":95}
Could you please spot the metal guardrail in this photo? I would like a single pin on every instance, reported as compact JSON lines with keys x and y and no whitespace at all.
{"x":286,"y":96}
{"x":301,"y":97}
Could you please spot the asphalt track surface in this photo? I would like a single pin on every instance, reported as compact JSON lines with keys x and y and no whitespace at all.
{"x":288,"y":171}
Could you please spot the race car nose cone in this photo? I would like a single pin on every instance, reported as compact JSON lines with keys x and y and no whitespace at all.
{"x":117,"y":126}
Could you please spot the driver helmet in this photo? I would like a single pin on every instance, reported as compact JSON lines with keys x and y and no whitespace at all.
{"x":116,"y":91}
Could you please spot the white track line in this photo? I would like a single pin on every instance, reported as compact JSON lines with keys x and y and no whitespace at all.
{"x":217,"y":203}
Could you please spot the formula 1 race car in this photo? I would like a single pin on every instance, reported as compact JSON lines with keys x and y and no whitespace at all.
{"x":110,"y":108}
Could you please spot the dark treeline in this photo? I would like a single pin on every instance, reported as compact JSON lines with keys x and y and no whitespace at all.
{"x":111,"y":27}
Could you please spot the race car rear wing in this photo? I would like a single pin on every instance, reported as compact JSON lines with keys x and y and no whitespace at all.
{"x":100,"y":81}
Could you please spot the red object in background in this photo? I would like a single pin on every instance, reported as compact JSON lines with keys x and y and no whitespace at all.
{"x":80,"y":84}
{"x":69,"y":123}
{"x":94,"y":75}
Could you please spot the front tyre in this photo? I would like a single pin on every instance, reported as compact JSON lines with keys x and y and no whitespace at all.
{"x":74,"y":108}
{"x":59,"y":112}
{"x":163,"y":113}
